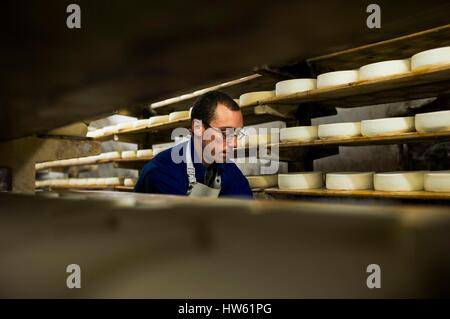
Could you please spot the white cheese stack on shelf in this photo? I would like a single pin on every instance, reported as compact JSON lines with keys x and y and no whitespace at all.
{"x":299,"y":134}
{"x":144,"y":153}
{"x":339,"y":130}
{"x":109,"y":130}
{"x":159,"y":119}
{"x":383,"y":69}
{"x":262,"y":181}
{"x":301,"y":180}
{"x":253,"y":97}
{"x":130,"y":182}
{"x":438,"y":181}
{"x":387,"y":126}
{"x":433,"y":121}
{"x":96,"y":133}
{"x":141,"y":124}
{"x":128,"y":154}
{"x":430,"y":58}
{"x":349,"y":180}
{"x":399,"y":181}
{"x":179,"y":115}
{"x":336,"y":78}
{"x":287,"y":87}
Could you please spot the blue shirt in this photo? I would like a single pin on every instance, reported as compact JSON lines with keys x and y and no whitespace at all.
{"x":162,"y":175}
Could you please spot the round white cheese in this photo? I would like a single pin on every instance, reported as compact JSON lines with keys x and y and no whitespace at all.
{"x":114,"y":181}
{"x":383,"y":69}
{"x":111,"y":155}
{"x":141,"y":123}
{"x":125,"y":125}
{"x":128,"y":154}
{"x":258,"y":139}
{"x":174,"y":116}
{"x":387,"y":126}
{"x":304,"y":180}
{"x":253,"y":97}
{"x":299,"y":134}
{"x":129,"y":182}
{"x":263,"y":181}
{"x":336,"y":78}
{"x":159,"y":119}
{"x":339,"y":130}
{"x":294,"y":86}
{"x":349,"y":180}
{"x":144,"y":153}
{"x":438,"y":181}
{"x":430,"y":58}
{"x":399,"y":181}
{"x":433,"y":121}
{"x":109,"y":130}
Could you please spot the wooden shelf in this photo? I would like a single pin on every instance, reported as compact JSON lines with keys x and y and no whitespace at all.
{"x":423,"y":195}
{"x":79,"y":187}
{"x":413,"y":85}
{"x":102,"y":161}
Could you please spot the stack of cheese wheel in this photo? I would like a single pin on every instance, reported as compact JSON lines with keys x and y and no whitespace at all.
{"x":179,"y":115}
{"x":128,"y":154}
{"x":253,"y":97}
{"x":438,"y":181}
{"x":339,"y":130}
{"x":430,"y":58}
{"x":262,"y":181}
{"x":387,"y":126}
{"x":433,"y":121}
{"x":399,"y":181}
{"x":144,"y":153}
{"x":349,"y":180}
{"x":383,"y":69}
{"x":159,"y":119}
{"x":337,"y":78}
{"x":131,"y":182}
{"x":141,"y":124}
{"x":110,"y":130}
{"x":301,"y":180}
{"x":299,"y":134}
{"x":294,"y":86}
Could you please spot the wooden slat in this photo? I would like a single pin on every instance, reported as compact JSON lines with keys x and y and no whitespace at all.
{"x":361,"y":193}
{"x":397,"y":48}
{"x":102,"y":161}
{"x":81,"y":187}
{"x":413,"y":85}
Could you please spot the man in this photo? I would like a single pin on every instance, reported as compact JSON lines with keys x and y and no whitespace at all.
{"x":204,"y":168}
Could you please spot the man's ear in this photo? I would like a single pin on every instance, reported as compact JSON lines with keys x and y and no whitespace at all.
{"x":197,"y":127}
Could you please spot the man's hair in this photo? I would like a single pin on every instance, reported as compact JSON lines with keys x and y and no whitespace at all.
{"x":205,"y":106}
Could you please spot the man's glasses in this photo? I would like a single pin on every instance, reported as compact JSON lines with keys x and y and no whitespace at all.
{"x":229,"y":133}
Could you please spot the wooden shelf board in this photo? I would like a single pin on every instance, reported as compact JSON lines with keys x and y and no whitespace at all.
{"x":361,"y":193}
{"x":413,"y":85}
{"x":116,"y":187}
{"x":103,"y":161}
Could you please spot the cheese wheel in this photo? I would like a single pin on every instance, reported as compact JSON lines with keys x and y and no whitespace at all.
{"x":336,"y":78}
{"x":438,"y":181}
{"x":399,"y":181}
{"x":114,"y":181}
{"x":349,"y":180}
{"x":91,"y":181}
{"x":294,"y":86}
{"x":262,"y":181}
{"x":299,"y":134}
{"x":144,"y":153}
{"x":174,"y":116}
{"x":159,"y":119}
{"x":433,"y":121}
{"x":141,"y":124}
{"x":125,"y":125}
{"x":111,"y":155}
{"x":387,"y":126}
{"x":430,"y":58}
{"x":129,"y":182}
{"x":253,"y":97}
{"x":128,"y":154}
{"x":304,"y":180}
{"x":339,"y":130}
{"x":383,"y":69}
{"x":109,"y":130}
{"x":259,"y":139}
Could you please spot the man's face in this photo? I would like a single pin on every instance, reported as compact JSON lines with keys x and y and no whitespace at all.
{"x":213,"y":140}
